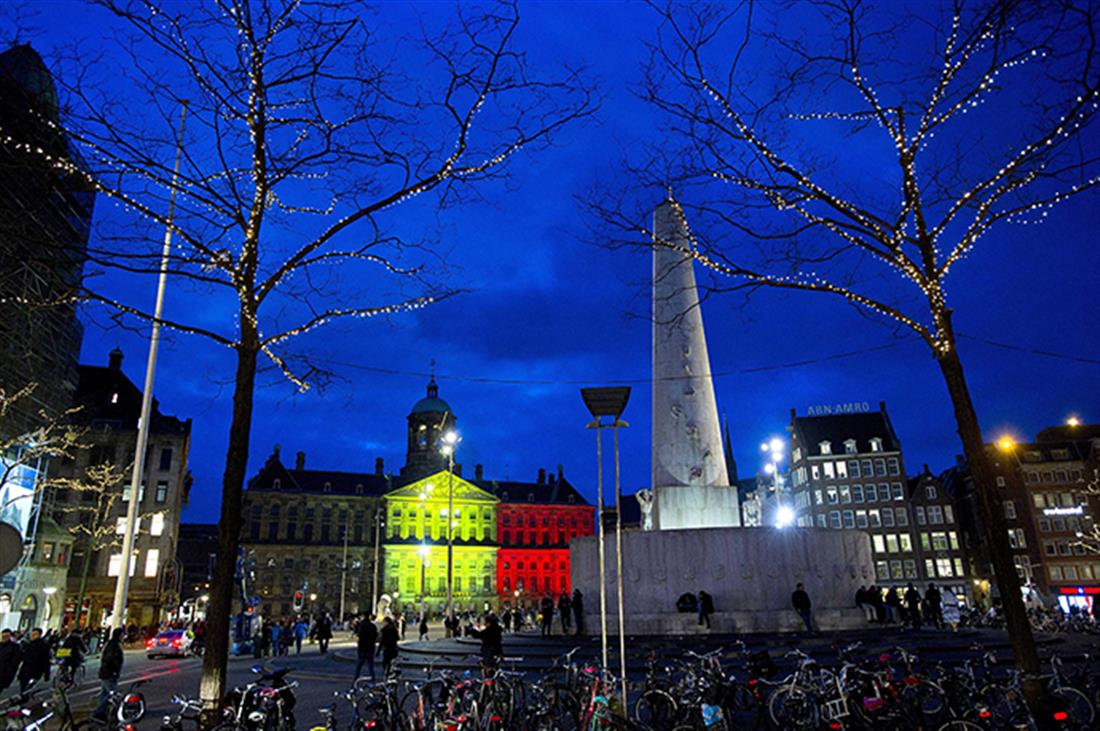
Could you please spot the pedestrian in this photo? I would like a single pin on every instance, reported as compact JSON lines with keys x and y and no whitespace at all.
{"x":301,"y":629}
{"x":110,"y":668}
{"x":800,"y":600}
{"x":864,"y":603}
{"x":933,"y":606}
{"x":506,"y":619}
{"x":36,"y":661}
{"x":565,"y":609}
{"x":366,"y":635}
{"x":547,"y":615}
{"x":874,"y":595}
{"x":10,"y":656}
{"x":893,"y":605}
{"x":276,"y":639}
{"x":401,"y":624}
{"x":71,"y":655}
{"x":423,"y":628}
{"x":912,"y":601}
{"x":578,"y":610}
{"x":387,"y":645}
{"x":950,"y":610}
{"x":324,"y":632}
{"x":492,"y":643}
{"x":706,"y":608}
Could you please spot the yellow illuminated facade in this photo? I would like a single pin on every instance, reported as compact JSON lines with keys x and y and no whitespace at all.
{"x":416,"y":535}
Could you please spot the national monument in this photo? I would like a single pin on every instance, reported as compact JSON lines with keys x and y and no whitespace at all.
{"x":692,"y":538}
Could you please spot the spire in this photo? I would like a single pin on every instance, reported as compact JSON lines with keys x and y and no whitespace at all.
{"x":433,"y":388}
{"x":731,"y":463}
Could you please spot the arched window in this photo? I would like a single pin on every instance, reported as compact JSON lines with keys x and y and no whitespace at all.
{"x":276,"y":483}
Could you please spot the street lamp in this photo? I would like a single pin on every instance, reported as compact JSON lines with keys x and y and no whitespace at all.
{"x":450,"y":444}
{"x":1006,"y":443}
{"x":424,"y":552}
{"x":784,"y":515}
{"x":1073,"y":421}
{"x":610,"y":402}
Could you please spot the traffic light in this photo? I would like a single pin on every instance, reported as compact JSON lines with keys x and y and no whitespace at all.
{"x":299,"y":601}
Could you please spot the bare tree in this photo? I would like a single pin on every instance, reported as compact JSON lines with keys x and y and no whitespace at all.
{"x":304,"y":132}
{"x":940,"y":123}
{"x":54,"y":438}
{"x":87,"y":512}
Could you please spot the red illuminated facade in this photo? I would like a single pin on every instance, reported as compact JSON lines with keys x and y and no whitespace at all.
{"x":535,"y":522}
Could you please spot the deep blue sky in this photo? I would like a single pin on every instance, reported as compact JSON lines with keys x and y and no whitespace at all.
{"x":548,"y":308}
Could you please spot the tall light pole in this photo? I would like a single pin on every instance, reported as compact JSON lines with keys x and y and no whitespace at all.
{"x":344,"y":567}
{"x":450,"y":444}
{"x":609,"y":402}
{"x":424,"y":550}
{"x":784,"y":514}
{"x":122,"y":585}
{"x":378,"y":521}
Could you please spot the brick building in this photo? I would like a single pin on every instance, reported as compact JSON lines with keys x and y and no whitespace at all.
{"x":848,"y":472}
{"x":535,"y":523}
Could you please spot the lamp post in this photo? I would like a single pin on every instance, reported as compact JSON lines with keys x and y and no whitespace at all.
{"x":450,"y":444}
{"x":122,"y":585}
{"x":424,"y":550}
{"x":344,"y":568}
{"x":784,"y":515}
{"x":379,"y":520}
{"x":610,"y":402}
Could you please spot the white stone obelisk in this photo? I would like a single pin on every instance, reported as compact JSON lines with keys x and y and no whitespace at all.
{"x":690,"y":481}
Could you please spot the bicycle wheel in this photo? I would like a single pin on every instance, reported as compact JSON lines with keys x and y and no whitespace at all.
{"x":925,"y":699}
{"x":1005,"y":703}
{"x":1077,"y":705}
{"x":793,"y":707}
{"x":435,"y":695}
{"x":655,"y":709}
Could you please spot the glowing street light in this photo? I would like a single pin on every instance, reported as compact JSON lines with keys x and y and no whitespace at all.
{"x":450,"y":443}
{"x":1073,"y":421}
{"x":1006,"y":443}
{"x":784,"y":516}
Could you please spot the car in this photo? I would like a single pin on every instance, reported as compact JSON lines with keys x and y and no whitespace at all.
{"x":170,"y":643}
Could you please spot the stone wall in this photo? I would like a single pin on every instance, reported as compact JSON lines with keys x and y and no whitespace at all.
{"x":750,"y":572}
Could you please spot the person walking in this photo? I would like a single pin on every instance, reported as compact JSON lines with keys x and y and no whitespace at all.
{"x":301,"y":629}
{"x":874,"y":596}
{"x":547,"y":615}
{"x":366,"y":638}
{"x":110,"y":668}
{"x":324,"y":632}
{"x":423,"y":628}
{"x":800,"y":600}
{"x":912,"y":601}
{"x":933,"y":606}
{"x":387,"y":645}
{"x":10,"y":656}
{"x":706,"y":608}
{"x":565,"y":609}
{"x":578,"y":611}
{"x":36,"y":661}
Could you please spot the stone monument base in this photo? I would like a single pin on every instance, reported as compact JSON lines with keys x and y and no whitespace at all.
{"x":683,"y":507}
{"x":750,"y":572}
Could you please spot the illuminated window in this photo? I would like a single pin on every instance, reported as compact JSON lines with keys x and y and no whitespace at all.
{"x":156,"y":524}
{"x":152,"y":562}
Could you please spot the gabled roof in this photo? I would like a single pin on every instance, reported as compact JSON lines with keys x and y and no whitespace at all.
{"x":106,"y":396}
{"x":558,"y":492}
{"x":317,"y":481}
{"x":463,"y":489}
{"x":839,"y":428}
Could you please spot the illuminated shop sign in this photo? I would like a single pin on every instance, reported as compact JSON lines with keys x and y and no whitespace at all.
{"x":1078,"y":510}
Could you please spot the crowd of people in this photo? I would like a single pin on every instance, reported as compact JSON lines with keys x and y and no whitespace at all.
{"x":29,"y":656}
{"x":911,"y":607}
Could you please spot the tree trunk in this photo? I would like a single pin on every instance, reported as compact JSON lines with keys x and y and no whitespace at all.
{"x":995,"y":529}
{"x":83,"y":587}
{"x":216,"y":653}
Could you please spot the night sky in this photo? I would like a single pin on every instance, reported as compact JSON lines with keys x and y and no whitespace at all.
{"x":548,"y":310}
